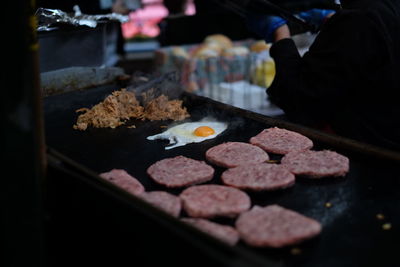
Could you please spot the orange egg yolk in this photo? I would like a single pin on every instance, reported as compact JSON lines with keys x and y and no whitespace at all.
{"x":204,"y":131}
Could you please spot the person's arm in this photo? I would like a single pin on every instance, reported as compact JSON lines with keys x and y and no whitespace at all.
{"x":282,"y":32}
{"x":311,"y":89}
{"x":315,"y":17}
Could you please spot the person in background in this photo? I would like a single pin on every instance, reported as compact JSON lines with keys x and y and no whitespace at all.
{"x":120,"y":7}
{"x":175,"y":7}
{"x":349,"y":79}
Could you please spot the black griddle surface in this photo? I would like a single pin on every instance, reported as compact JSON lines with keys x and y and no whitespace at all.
{"x":352,"y":234}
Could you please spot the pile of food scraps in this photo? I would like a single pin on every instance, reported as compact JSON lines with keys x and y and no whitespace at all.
{"x":122,"y":105}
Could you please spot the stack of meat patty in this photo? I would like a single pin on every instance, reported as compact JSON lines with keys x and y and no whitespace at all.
{"x":247,"y":167}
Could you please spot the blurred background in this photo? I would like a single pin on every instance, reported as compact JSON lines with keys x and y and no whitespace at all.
{"x":160,"y":36}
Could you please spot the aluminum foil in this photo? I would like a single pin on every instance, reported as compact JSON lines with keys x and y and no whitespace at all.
{"x":51,"y":19}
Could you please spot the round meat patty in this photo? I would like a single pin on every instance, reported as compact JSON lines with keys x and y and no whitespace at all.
{"x":180,"y":171}
{"x":281,"y":141}
{"x":258,"y":177}
{"x":123,"y":180}
{"x":225,"y":233}
{"x":208,"y":201}
{"x":316,"y":164}
{"x":165,"y":201}
{"x":275,"y":226}
{"x":232,"y":154}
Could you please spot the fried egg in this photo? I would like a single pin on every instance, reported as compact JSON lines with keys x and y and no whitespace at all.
{"x":190,"y":132}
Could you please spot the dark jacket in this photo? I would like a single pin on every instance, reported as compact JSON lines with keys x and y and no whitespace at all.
{"x":349,"y":78}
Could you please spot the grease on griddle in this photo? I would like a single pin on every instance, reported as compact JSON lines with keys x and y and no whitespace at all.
{"x":387,"y":226}
{"x":273,"y":161}
{"x":296,"y":251}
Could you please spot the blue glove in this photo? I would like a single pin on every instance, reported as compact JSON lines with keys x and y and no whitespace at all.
{"x":316,"y":16}
{"x":265,"y":26}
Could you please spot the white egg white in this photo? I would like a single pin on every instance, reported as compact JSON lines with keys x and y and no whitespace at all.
{"x":183,"y":134}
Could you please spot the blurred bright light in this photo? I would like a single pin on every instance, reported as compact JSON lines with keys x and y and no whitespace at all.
{"x":143,"y":22}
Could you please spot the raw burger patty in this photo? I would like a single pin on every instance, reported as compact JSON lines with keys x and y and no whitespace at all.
{"x":316,"y":164}
{"x":123,"y":180}
{"x":258,"y":177}
{"x":165,"y":201}
{"x":208,"y":201}
{"x":180,"y":171}
{"x":232,"y":154}
{"x":225,"y":233}
{"x":281,"y":141}
{"x":274,"y":226}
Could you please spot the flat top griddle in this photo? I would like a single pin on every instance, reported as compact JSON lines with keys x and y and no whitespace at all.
{"x":352,"y":234}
